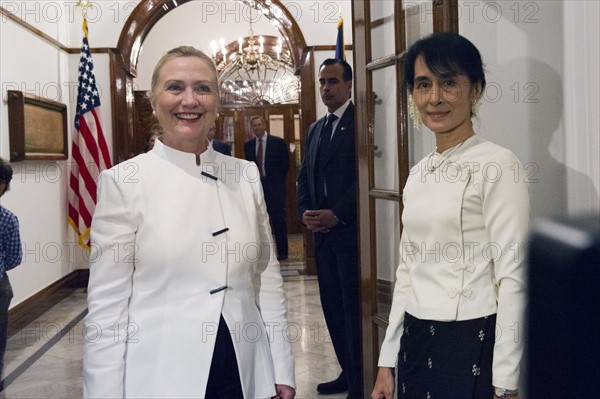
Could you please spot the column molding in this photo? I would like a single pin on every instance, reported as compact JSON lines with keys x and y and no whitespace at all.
{"x":581,"y":85}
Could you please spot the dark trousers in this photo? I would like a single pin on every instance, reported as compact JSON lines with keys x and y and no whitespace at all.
{"x":224,"y":377}
{"x":275,"y":200}
{"x":338,"y":275}
{"x":6,"y":294}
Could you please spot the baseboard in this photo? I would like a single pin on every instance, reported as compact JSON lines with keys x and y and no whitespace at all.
{"x":36,"y":305}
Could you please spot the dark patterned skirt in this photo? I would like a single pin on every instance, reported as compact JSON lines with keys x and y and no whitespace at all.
{"x":446,"y":360}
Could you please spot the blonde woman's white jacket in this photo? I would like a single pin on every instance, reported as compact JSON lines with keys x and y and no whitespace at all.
{"x":168,"y":236}
{"x":462,"y":249}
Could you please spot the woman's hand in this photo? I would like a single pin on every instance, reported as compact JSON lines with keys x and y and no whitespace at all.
{"x":284,"y":392}
{"x":384,"y":385}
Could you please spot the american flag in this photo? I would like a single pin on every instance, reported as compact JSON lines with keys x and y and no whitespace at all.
{"x":89,"y":150}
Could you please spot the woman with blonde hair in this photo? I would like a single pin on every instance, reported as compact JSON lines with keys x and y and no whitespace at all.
{"x":185,"y":295}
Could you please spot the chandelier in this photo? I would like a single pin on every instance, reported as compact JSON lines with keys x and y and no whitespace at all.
{"x":255,"y":71}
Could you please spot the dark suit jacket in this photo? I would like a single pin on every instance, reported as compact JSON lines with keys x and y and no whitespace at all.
{"x":277,"y":162}
{"x":339,"y":169}
{"x":221,"y":147}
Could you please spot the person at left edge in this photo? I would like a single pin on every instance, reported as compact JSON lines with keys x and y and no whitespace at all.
{"x":11,"y":254}
{"x":185,"y":296}
{"x":275,"y":162}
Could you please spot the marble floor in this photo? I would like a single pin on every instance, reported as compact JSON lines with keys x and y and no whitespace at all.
{"x":44,"y":359}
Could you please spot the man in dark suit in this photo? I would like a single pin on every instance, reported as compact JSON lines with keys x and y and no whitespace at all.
{"x":218,"y":145}
{"x":327,"y":207}
{"x":270,"y":153}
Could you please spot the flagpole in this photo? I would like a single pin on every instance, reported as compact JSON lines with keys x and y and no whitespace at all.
{"x":340,"y":51}
{"x":89,"y":150}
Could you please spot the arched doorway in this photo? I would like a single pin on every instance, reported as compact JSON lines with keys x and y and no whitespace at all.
{"x":124,"y":65}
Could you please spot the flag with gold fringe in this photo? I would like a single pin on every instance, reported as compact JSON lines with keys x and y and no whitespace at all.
{"x":89,"y":150}
{"x":340,"y":53}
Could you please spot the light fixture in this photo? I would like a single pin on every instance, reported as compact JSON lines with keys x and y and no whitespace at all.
{"x":248,"y":57}
{"x":257,"y":71}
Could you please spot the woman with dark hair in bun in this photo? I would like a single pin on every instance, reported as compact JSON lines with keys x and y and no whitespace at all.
{"x":459,"y":295}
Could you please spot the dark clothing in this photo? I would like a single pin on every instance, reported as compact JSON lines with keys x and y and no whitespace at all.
{"x":336,"y":252}
{"x":6,"y":294}
{"x":10,"y":241}
{"x":221,"y":147}
{"x":224,"y":377}
{"x":446,"y":359}
{"x":11,"y":254}
{"x":339,"y":170}
{"x":276,"y":165}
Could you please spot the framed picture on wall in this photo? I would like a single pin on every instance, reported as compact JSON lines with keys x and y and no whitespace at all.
{"x":37,"y":127}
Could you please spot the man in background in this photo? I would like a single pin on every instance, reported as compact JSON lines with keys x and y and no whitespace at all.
{"x":327,"y":207}
{"x":270,"y":153}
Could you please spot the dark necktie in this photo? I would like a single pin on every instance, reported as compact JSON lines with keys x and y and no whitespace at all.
{"x":326,"y":134}
{"x":259,"y":157}
{"x":322,"y":151}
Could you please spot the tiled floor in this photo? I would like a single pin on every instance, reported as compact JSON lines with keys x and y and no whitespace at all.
{"x":44,"y":360}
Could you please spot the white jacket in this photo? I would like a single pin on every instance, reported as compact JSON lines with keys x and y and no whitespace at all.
{"x":462,"y":249}
{"x":159,"y":247}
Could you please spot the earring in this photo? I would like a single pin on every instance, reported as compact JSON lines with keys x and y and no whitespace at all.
{"x":413,"y":111}
{"x":475,"y":108}
{"x":154,"y":113}
{"x":217,"y":116}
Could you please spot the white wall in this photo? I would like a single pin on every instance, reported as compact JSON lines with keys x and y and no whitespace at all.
{"x":581,"y":82}
{"x":38,"y":189}
{"x":523,"y":104}
{"x":318,"y":20}
{"x":526,"y":51}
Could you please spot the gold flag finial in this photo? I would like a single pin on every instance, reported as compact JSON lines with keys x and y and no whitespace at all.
{"x":84,"y":4}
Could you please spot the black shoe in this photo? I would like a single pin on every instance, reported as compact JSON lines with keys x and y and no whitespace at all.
{"x":354,"y":396}
{"x":336,"y":386}
{"x":283,"y":257}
